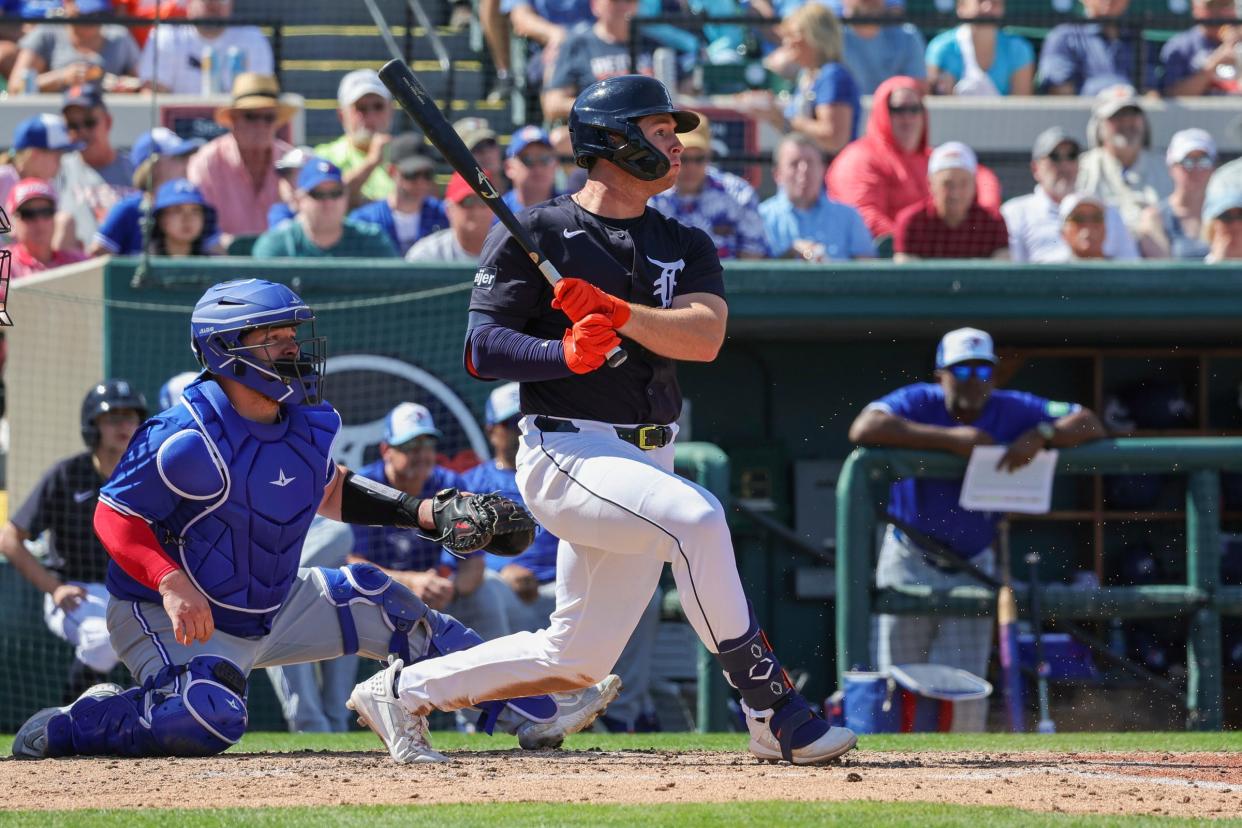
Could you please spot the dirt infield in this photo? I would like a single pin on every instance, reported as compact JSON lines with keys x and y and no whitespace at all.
{"x":1187,"y":784}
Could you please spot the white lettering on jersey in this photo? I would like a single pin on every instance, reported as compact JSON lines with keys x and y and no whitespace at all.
{"x":668,"y":279}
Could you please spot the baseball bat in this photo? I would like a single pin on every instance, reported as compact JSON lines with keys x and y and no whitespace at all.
{"x":409,"y":92}
{"x":1007,"y":633}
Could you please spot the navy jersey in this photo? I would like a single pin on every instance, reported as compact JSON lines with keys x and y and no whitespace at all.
{"x":540,"y":556}
{"x":63,"y":504}
{"x":392,"y":547}
{"x":930,"y":504}
{"x":647,"y":260}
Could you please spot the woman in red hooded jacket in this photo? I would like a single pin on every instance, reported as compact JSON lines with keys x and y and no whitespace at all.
{"x":885,"y":170}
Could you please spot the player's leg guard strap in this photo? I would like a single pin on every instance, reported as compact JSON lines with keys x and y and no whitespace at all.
{"x":354,"y":582}
{"x":99,"y":726}
{"x":207,"y":716}
{"x":751,"y":666}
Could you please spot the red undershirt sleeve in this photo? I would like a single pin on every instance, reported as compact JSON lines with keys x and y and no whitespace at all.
{"x":131,"y":543}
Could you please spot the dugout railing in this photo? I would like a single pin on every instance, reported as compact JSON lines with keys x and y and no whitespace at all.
{"x":864,"y":485}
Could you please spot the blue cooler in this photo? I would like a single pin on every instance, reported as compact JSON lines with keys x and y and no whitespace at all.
{"x":908,"y":698}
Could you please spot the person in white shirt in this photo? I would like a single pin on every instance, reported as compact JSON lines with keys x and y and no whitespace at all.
{"x":1034,"y":220}
{"x":172,"y":59}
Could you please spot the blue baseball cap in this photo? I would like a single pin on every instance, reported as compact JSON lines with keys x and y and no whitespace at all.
{"x":524,"y":137}
{"x":94,"y":7}
{"x":86,"y":95}
{"x":503,"y":404}
{"x":316,"y":171}
{"x":407,"y":421}
{"x":178,"y":191}
{"x":161,"y":141}
{"x":44,"y":132}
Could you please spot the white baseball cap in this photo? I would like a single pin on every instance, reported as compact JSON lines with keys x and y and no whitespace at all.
{"x":1072,"y":201}
{"x":503,"y":404}
{"x":963,"y":345}
{"x":407,"y":421}
{"x":360,"y":82}
{"x":953,"y":155}
{"x":1187,"y":141}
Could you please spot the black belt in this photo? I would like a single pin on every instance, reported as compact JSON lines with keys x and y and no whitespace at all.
{"x":646,"y":437}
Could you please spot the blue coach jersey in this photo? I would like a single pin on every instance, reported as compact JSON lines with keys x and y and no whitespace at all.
{"x":229,"y":499}
{"x":405,"y":550}
{"x":540,"y":556}
{"x":930,"y":505}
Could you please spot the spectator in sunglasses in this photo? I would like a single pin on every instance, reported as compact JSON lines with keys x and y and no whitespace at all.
{"x":1034,"y":220}
{"x":364,"y":107}
{"x":320,"y":228}
{"x":411,"y":211}
{"x":92,"y":180}
{"x":40,"y":144}
{"x":1083,"y":226}
{"x":180,"y":220}
{"x":1176,"y":223}
{"x":960,"y":410}
{"x":64,"y":56}
{"x":530,"y":165}
{"x":238,"y":169}
{"x":469,"y":219}
{"x":287,"y":168}
{"x":31,"y":206}
{"x":1223,"y":216}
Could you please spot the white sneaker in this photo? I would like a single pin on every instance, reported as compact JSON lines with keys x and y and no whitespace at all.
{"x":576,"y":711}
{"x":31,"y":739}
{"x":835,"y":742}
{"x":378,"y":707}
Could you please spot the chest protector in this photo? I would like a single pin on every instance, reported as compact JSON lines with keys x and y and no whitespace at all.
{"x":242,"y":544}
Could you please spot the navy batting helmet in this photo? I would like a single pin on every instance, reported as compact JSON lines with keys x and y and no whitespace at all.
{"x":109,"y":395}
{"x":603,"y":124}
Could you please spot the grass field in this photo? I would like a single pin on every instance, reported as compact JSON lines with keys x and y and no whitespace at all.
{"x":876,"y":753}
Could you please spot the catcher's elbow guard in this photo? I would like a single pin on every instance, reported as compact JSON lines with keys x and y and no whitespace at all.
{"x":372,"y":503}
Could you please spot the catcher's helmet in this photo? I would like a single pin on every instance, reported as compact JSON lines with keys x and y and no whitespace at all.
{"x":602,"y":124}
{"x":230,"y":310}
{"x":109,"y":395}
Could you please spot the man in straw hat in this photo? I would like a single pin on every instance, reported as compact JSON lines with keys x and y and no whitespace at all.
{"x":238,"y":169}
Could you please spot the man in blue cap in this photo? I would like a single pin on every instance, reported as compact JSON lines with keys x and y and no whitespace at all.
{"x":320,"y":228}
{"x":93,"y":180}
{"x":530,"y":163}
{"x":959,"y":411}
{"x":157,"y":157}
{"x":408,"y":464}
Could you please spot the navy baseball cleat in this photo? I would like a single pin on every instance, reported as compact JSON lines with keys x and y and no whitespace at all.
{"x":31,"y":739}
{"x":576,"y":712}
{"x":793,"y":733}
{"x":404,"y":734}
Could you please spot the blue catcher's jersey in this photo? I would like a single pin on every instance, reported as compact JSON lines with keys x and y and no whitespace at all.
{"x":540,"y":556}
{"x":228,"y":498}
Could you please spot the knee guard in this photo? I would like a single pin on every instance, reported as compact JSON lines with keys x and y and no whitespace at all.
{"x":367,"y":582}
{"x":203,"y":715}
{"x":207,"y":716}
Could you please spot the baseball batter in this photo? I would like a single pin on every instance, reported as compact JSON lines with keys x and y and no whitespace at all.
{"x":596,"y":459}
{"x":204,"y":520}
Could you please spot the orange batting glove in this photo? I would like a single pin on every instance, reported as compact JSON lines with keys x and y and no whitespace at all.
{"x":577,"y":298}
{"x":588,"y":342}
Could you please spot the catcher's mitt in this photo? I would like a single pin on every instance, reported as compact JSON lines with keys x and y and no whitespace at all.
{"x":515,"y":528}
{"x":466,"y":523}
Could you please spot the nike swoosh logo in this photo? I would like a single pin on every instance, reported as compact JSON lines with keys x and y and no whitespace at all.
{"x":82,"y":497}
{"x":569,"y":234}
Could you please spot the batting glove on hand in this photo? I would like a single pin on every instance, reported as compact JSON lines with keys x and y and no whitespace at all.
{"x":578,"y":299}
{"x":588,"y":342}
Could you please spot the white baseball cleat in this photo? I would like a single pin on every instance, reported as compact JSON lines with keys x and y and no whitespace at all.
{"x":31,"y":739}
{"x":764,"y":744}
{"x":376,"y":703}
{"x":576,"y":711}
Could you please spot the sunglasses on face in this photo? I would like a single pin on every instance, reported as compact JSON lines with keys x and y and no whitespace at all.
{"x":1231,"y":216}
{"x":962,"y":373}
{"x":259,"y":117}
{"x":471,"y":203}
{"x":1201,"y":163}
{"x":1068,"y":155}
{"x":422,"y":175}
{"x":1085,"y":218}
{"x":537,"y":160}
{"x":911,"y":109}
{"x":327,"y":195}
{"x":33,"y":213}
{"x":416,"y":445}
{"x":82,"y":125}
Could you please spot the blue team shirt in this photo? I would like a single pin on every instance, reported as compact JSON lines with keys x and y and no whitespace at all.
{"x":431,"y":219}
{"x":1080,"y":54}
{"x":404,"y":550}
{"x":121,"y":231}
{"x":930,"y":504}
{"x":1012,"y":53}
{"x":540,"y":556}
{"x":838,"y":227}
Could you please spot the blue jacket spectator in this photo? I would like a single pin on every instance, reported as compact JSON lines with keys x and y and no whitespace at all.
{"x":1085,"y":58}
{"x":1199,"y":61}
{"x":410,"y":212}
{"x":800,"y":221}
{"x":953,"y":66}
{"x":874,"y":53}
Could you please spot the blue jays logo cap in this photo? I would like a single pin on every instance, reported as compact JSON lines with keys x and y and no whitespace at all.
{"x":503,"y":404}
{"x":964,"y":345}
{"x":316,"y":171}
{"x":526,"y":136}
{"x":44,"y":132}
{"x":407,"y":421}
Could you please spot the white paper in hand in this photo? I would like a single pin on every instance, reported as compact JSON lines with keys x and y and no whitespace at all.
{"x":989,"y":489}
